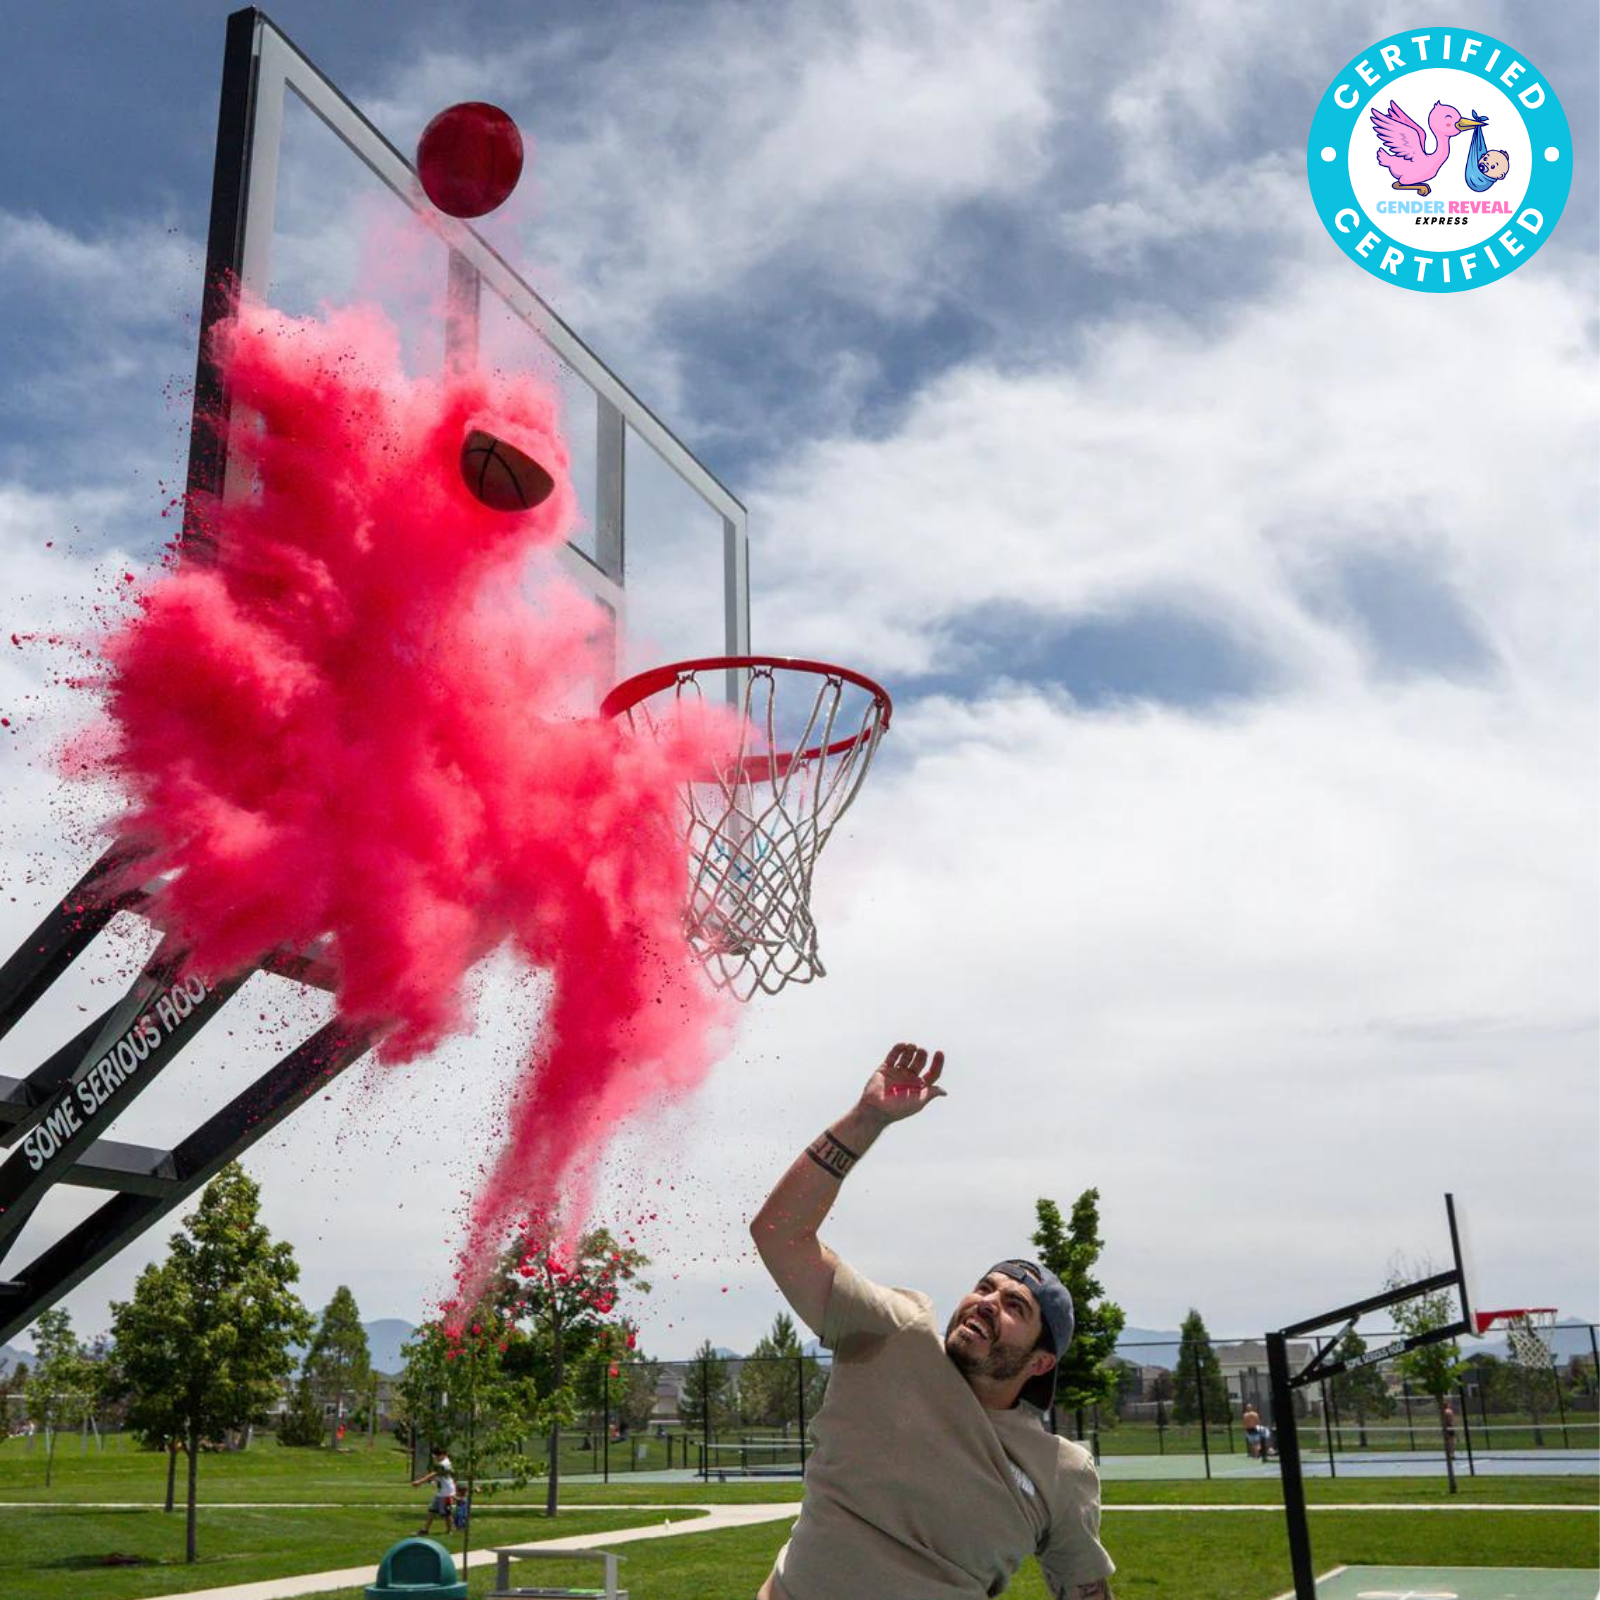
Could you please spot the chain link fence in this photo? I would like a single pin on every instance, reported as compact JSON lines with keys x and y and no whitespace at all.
{"x":1183,"y":1400}
{"x":1180,"y":1409}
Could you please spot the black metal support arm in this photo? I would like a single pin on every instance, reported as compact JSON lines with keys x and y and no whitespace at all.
{"x":192,"y":1163}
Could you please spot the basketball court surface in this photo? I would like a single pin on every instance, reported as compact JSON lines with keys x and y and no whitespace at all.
{"x":1456,"y":1583}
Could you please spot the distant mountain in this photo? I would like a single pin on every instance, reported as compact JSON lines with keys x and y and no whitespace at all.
{"x":9,"y":1357}
{"x":1568,"y":1338}
{"x":1149,"y":1347}
{"x":384,"y":1339}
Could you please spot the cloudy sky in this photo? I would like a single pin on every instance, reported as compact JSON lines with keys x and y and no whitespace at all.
{"x":1236,"y":837}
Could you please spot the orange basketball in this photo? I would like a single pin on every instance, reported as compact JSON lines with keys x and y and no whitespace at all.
{"x":500,"y":475}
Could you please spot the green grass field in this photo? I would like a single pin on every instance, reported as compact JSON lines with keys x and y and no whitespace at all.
{"x":1180,"y":1556}
{"x":55,"y":1544}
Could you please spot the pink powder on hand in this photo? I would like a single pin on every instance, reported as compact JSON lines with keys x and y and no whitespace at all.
{"x":352,"y":723}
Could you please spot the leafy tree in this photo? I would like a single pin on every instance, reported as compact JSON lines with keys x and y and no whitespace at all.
{"x":1362,"y":1391}
{"x":708,"y":1392}
{"x":562,"y":1296}
{"x":11,"y":1385}
{"x":618,"y":1380}
{"x":338,"y":1363}
{"x":1198,"y":1380}
{"x":147,"y":1334}
{"x":220,"y":1321}
{"x":1494,"y":1379}
{"x":643,"y":1380}
{"x":60,"y":1389}
{"x":1083,"y":1376}
{"x":301,"y":1426}
{"x":465,"y":1386}
{"x":771,"y":1379}
{"x":100,"y":1358}
{"x":1433,"y":1368}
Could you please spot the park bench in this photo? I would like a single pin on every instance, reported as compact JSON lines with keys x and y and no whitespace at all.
{"x":506,"y":1554}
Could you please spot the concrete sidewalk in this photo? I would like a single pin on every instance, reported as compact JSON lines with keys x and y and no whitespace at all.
{"x":359,"y":1577}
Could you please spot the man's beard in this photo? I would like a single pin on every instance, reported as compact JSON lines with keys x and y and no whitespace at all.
{"x":999,"y":1362}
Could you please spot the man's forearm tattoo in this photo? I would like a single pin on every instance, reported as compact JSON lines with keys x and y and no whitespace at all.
{"x":834,"y":1158}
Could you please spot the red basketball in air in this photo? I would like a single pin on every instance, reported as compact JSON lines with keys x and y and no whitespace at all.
{"x":469,"y":158}
{"x":501,"y":476}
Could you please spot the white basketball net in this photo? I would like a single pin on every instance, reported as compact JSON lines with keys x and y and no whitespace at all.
{"x":1528,"y":1338}
{"x":756,"y":827}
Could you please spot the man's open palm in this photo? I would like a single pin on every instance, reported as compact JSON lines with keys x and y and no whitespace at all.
{"x":905,"y":1083}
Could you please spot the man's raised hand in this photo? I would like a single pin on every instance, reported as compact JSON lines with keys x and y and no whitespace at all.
{"x":906,"y":1082}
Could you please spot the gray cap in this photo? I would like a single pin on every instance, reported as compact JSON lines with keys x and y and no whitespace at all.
{"x":1055,"y":1307}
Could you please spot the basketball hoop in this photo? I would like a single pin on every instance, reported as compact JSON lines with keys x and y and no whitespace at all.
{"x":757,"y":823}
{"x":1527,"y":1332}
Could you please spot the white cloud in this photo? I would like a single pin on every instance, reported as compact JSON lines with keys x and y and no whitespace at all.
{"x":824,"y":142}
{"x":1209,"y":468}
{"x":133,"y":272}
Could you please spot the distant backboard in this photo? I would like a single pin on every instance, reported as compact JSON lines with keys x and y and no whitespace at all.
{"x":313,"y":206}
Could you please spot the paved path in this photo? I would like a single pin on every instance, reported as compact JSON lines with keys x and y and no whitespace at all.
{"x":359,"y":1577}
{"x":723,"y":1516}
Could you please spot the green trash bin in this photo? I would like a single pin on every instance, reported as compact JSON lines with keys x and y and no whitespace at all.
{"x":417,"y":1569}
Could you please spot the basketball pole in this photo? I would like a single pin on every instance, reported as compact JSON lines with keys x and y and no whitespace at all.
{"x":1287,"y":1439}
{"x":1325,"y":1364}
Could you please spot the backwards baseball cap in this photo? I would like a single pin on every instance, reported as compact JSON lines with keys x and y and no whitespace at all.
{"x":1055,"y":1308}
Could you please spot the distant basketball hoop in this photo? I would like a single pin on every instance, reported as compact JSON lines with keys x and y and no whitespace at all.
{"x":1528,"y":1332}
{"x":756,"y":825}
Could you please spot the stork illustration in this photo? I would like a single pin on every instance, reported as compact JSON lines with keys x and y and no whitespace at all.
{"x":1405,"y":146}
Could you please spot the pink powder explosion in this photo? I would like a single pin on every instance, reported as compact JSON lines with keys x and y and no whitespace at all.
{"x":352,"y":723}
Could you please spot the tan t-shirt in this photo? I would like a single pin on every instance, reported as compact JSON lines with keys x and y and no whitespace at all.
{"x":914,"y":1491}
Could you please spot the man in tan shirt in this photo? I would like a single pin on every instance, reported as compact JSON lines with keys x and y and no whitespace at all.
{"x":928,"y":1480}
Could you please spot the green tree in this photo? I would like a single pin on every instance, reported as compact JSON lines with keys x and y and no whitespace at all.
{"x":300,"y":1427}
{"x":424,"y":1391}
{"x":771,"y":1379}
{"x":1198,"y":1379}
{"x":641,"y":1379}
{"x":147,"y":1335}
{"x":11,"y":1392}
{"x":1083,"y":1375}
{"x":228,"y":1319}
{"x":1434,"y":1368}
{"x":1495,"y":1381}
{"x":708,"y":1399}
{"x":60,"y":1389}
{"x":1360,"y":1392}
{"x":465,"y":1386}
{"x":562,"y":1297}
{"x":618,"y":1380}
{"x":338,"y":1364}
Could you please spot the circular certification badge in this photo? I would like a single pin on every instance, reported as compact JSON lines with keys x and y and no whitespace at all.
{"x":1439,"y":160}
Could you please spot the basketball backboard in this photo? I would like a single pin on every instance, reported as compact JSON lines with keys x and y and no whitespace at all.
{"x":1461,"y":1250}
{"x":311,"y":207}
{"x":314,"y":207}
